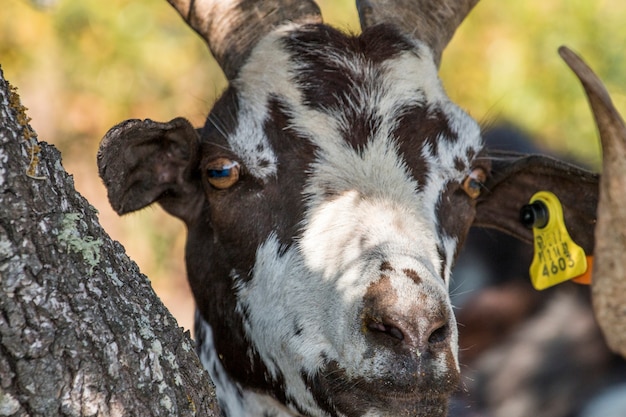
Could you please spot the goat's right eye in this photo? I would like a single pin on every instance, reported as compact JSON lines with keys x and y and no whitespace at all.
{"x":474,"y":182}
{"x":222,"y":173}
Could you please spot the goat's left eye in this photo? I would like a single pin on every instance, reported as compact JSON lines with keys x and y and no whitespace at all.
{"x":222,"y":173}
{"x":474,"y":182}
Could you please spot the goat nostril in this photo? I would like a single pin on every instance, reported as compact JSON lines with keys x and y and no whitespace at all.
{"x":386,"y":329}
{"x":438,"y":335}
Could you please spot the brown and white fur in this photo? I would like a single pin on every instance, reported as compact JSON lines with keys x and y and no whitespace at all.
{"x":325,"y":199}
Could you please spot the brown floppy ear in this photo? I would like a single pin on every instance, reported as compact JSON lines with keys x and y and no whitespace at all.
{"x":515,"y":178}
{"x":142,"y":161}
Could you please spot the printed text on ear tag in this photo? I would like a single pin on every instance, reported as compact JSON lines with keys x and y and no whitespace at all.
{"x":557,"y":258}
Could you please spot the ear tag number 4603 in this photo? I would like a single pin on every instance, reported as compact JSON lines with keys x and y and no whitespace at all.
{"x":557,"y":257}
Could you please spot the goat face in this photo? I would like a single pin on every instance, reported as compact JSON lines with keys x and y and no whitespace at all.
{"x":339,"y":219}
{"x":325,"y":199}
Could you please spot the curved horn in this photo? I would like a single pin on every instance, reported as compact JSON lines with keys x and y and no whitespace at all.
{"x":231,"y":28}
{"x":431,"y":21}
{"x":609,"y":270}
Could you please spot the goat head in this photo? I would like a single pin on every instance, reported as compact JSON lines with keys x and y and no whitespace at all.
{"x":325,"y":200}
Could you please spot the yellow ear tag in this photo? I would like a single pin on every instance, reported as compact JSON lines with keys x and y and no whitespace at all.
{"x":557,"y":258}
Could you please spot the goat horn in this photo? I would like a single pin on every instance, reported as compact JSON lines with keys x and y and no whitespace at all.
{"x":609,"y":270}
{"x":231,"y":28}
{"x":431,"y":21}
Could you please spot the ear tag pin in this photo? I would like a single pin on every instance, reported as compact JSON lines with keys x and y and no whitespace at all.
{"x":557,"y":258}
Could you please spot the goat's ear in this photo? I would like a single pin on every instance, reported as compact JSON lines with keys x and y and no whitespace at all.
{"x":515,"y":178}
{"x":141,"y":162}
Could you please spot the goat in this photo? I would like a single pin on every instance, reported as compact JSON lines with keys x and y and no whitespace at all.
{"x":325,"y":199}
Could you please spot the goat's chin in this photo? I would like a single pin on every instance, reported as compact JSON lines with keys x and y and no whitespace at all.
{"x":429,"y":396}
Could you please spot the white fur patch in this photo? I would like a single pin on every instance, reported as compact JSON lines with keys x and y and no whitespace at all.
{"x":280,"y":298}
{"x":266,"y":73}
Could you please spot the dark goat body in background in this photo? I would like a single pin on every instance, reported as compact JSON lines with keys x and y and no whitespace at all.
{"x":526,"y":352}
{"x":326,"y":199}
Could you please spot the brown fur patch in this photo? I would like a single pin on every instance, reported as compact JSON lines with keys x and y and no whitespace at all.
{"x":411,"y":273}
{"x":386,"y":266}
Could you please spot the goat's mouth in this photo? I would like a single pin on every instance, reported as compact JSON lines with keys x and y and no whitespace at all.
{"x":428,"y":396}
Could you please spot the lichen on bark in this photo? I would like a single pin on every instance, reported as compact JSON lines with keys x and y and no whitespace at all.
{"x":82,"y":333}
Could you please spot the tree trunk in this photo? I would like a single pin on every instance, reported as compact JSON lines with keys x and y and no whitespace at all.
{"x":82,"y":332}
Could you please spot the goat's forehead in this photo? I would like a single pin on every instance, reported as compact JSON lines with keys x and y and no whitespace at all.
{"x":375,"y":98}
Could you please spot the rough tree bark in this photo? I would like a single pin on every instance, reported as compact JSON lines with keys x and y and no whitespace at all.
{"x":82,"y":333}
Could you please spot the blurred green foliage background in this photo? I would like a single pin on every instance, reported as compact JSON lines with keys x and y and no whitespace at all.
{"x":82,"y":66}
